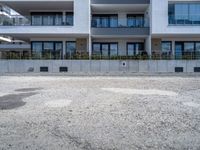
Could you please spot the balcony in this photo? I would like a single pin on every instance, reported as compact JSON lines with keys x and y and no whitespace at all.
{"x":120,"y":27}
{"x":120,"y":1}
{"x":37,"y":20}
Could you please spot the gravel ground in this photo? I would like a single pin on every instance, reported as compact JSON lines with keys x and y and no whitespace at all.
{"x":99,"y":113}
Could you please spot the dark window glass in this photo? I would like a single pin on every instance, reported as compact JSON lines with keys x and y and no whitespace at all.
{"x":37,"y":49}
{"x":184,"y":13}
{"x":166,"y":47}
{"x":58,"y":19}
{"x":113,"y":49}
{"x":135,"y":20}
{"x":105,"y":21}
{"x":197,"y":52}
{"x":189,"y":47}
{"x":58,"y":50}
{"x":96,"y":49}
{"x":48,"y":48}
{"x":69,"y":19}
{"x":70,"y":49}
{"x":135,"y":48}
{"x":105,"y":49}
{"x":48,"y":20}
{"x":36,"y":20}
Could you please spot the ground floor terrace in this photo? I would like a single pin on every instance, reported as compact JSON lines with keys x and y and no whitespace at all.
{"x":99,"y":113}
{"x":102,"y":48}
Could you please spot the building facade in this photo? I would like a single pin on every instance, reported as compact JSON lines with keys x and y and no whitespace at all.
{"x":100,"y":29}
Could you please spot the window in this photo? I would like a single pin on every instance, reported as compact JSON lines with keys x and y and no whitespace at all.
{"x":184,"y":13}
{"x":189,"y":47}
{"x":113,"y":49}
{"x":50,"y":19}
{"x":105,"y":49}
{"x":197,"y":50}
{"x":58,"y":50}
{"x":36,"y":20}
{"x":166,"y":47}
{"x":37,"y":49}
{"x":58,"y":19}
{"x":69,"y":19}
{"x":47,"y":50}
{"x":135,"y":20}
{"x":105,"y":21}
{"x":70,"y":49}
{"x":189,"y":50}
{"x":96,"y":49}
{"x":135,"y":48}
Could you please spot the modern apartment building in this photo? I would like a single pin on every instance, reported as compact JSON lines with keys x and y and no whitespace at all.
{"x":101,"y":29}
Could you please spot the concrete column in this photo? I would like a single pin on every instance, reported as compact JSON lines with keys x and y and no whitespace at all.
{"x":90,"y":46}
{"x":173,"y":49}
{"x":148,"y":45}
{"x":122,"y":19}
{"x":64,"y":47}
{"x":64,"y":17}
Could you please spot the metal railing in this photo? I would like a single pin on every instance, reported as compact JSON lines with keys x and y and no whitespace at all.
{"x":184,"y":19}
{"x":85,"y":56}
{"x":120,"y":23}
{"x":18,"y":20}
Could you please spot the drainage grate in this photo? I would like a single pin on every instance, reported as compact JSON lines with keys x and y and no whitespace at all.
{"x":178,"y":69}
{"x":196,"y":69}
{"x":44,"y":69}
{"x":63,"y":69}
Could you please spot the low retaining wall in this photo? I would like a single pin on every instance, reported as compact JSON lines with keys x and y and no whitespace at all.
{"x":99,"y":66}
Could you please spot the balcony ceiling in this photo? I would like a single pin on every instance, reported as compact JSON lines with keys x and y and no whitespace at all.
{"x":119,"y":7}
{"x":24,"y":7}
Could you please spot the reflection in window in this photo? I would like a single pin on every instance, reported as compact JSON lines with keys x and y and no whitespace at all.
{"x":184,"y":13}
{"x":105,"y":21}
{"x":189,"y":47}
{"x":166,"y":47}
{"x":47,"y":50}
{"x":135,"y":20}
{"x":113,"y":49}
{"x":69,"y":19}
{"x":37,"y":50}
{"x":36,"y":20}
{"x":96,"y":49}
{"x":135,"y":48}
{"x":105,"y":49}
{"x":58,"y":50}
{"x":70,"y":49}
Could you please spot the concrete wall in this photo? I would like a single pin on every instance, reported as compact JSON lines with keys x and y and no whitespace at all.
{"x":96,"y":66}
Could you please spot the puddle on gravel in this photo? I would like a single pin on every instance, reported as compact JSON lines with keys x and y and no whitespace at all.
{"x":140,"y":91}
{"x":12,"y":101}
{"x":28,"y":89}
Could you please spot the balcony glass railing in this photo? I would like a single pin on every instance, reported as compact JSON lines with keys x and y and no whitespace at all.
{"x":27,"y":21}
{"x":120,"y":23}
{"x":184,"y":19}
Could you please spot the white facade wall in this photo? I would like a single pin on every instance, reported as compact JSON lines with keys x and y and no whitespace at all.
{"x":160,"y":20}
{"x":81,"y":23}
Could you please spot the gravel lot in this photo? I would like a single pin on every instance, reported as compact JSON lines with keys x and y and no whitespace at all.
{"x":99,"y":113}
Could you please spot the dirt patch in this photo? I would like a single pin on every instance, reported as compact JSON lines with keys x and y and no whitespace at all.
{"x":12,"y":101}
